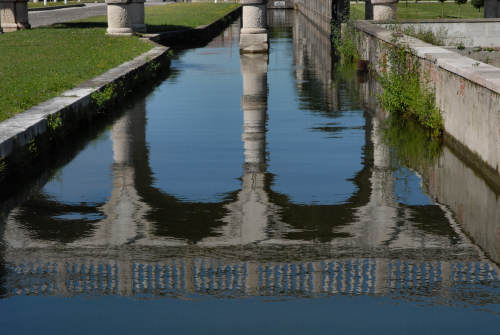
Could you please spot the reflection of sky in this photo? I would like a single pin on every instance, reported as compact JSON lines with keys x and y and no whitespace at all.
{"x":311,"y":166}
{"x":194,"y":126}
{"x":198,"y":315}
{"x":407,"y":188}
{"x":88,"y":177}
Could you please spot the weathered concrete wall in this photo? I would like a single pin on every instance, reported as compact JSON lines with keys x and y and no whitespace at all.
{"x":318,"y":11}
{"x":467,"y":91}
{"x":313,"y":50}
{"x":470,"y":33}
{"x":324,"y":12}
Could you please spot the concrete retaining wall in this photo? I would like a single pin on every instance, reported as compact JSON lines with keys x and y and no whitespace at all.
{"x":470,"y":33}
{"x":318,"y":11}
{"x":467,"y":91}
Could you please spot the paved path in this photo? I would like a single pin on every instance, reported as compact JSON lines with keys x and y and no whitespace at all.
{"x":48,"y":17}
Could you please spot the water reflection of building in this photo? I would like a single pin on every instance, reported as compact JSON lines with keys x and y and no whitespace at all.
{"x":255,"y":241}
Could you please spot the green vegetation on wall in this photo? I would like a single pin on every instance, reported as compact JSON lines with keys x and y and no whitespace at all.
{"x":405,"y":95}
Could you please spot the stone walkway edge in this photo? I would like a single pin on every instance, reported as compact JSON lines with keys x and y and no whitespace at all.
{"x":19,"y":130}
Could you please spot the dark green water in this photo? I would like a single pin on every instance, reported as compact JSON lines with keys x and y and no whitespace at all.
{"x":252,"y":194}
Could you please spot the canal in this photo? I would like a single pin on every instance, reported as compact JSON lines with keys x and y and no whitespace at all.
{"x":252,"y":194}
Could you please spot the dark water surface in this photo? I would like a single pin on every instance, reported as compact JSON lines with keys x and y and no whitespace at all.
{"x":253,"y":194}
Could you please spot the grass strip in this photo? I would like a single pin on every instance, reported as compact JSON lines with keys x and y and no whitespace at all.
{"x":39,"y":64}
{"x":425,"y":11}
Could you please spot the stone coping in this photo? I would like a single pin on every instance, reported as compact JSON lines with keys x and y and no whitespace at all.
{"x":55,"y":7}
{"x":399,"y":21}
{"x":477,"y":72}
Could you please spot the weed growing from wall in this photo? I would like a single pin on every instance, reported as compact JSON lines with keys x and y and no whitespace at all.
{"x":54,"y":122}
{"x":344,"y":43}
{"x":405,"y":96}
{"x":101,"y":98}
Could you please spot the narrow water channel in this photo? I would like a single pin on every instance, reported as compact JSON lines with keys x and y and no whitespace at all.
{"x":252,"y":194}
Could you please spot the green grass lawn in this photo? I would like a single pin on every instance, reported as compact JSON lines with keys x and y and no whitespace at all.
{"x":423,"y":11}
{"x":39,"y":64}
{"x":176,"y":16}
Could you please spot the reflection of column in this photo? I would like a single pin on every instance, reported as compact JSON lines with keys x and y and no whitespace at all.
{"x":124,"y":210}
{"x":378,"y":218}
{"x":253,"y":38}
{"x":253,"y":197}
{"x":250,"y":213}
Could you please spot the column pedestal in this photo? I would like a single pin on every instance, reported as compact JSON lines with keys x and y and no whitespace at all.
{"x":14,"y":15}
{"x":253,"y":37}
{"x":384,"y":9}
{"x":119,"y":18}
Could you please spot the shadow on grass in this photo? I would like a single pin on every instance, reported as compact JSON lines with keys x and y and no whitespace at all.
{"x":73,"y":25}
{"x":151,"y":28}
{"x":161,"y":28}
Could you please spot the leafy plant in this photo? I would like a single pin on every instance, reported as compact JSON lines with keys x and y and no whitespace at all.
{"x":427,"y":35}
{"x":54,"y":121}
{"x":100,"y":98}
{"x":405,"y":96}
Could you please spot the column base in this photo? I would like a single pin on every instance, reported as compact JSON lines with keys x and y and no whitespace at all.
{"x":254,"y":43}
{"x":120,"y":31}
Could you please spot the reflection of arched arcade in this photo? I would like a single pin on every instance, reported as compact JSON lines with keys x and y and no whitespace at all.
{"x":254,"y":241}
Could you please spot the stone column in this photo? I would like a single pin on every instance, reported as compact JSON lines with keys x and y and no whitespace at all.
{"x":137,"y":16}
{"x":384,"y":9}
{"x":14,"y":15}
{"x":253,"y":37}
{"x":119,"y":18}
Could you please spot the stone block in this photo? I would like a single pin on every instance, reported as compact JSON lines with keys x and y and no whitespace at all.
{"x":254,"y":43}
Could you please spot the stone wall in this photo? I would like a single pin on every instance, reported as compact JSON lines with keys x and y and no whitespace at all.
{"x":324,"y":12}
{"x":467,"y":91}
{"x":469,"y":33}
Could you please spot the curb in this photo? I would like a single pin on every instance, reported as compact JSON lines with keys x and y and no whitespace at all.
{"x":41,"y":9}
{"x":73,"y":106}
